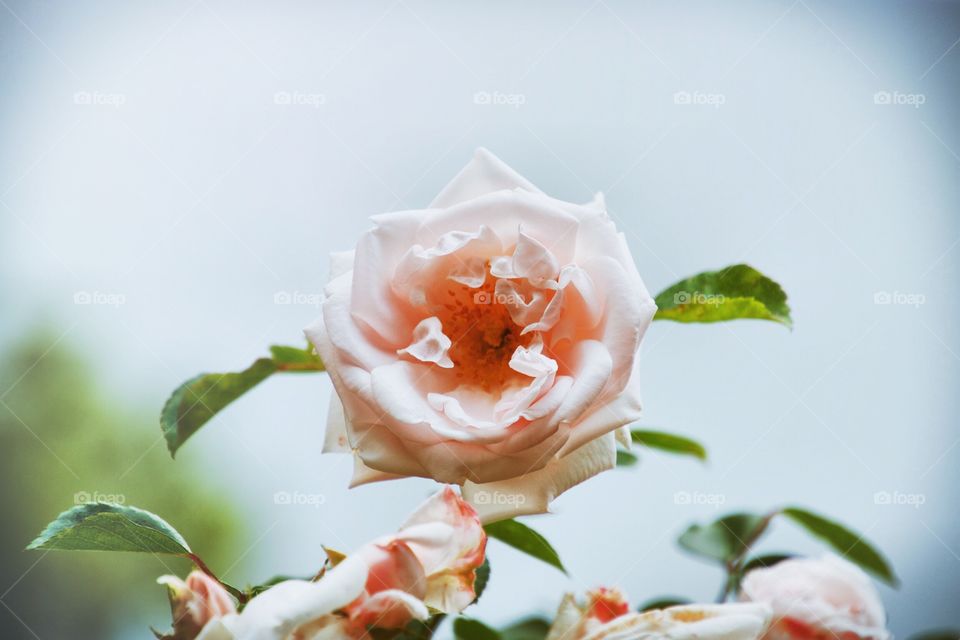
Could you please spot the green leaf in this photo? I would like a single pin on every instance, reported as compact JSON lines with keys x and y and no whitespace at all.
{"x":482,"y":579}
{"x":470,"y":629}
{"x":534,"y":628}
{"x":669,"y":442}
{"x":111,"y":527}
{"x":726,"y":539}
{"x":764,"y":561}
{"x":737,"y":292}
{"x":847,"y":543}
{"x":521,"y":537}
{"x":197,"y":400}
{"x":662,"y":603}
{"x":626,"y":458}
{"x":293,"y":359}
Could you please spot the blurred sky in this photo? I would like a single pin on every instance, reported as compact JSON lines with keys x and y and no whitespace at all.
{"x":182,"y":163}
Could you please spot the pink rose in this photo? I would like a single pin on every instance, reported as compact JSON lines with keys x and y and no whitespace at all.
{"x":818,"y":598}
{"x":431,"y":562}
{"x":607,"y":616}
{"x":489,"y":340}
{"x":194,"y":602}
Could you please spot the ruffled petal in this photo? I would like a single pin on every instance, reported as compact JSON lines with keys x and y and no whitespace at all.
{"x":429,"y":344}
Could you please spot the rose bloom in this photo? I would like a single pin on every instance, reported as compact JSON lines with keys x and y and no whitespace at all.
{"x":818,"y":599}
{"x":489,"y":340}
{"x":607,"y":616}
{"x":430,"y":562}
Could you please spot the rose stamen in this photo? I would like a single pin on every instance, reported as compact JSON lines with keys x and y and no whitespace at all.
{"x":483,"y":334}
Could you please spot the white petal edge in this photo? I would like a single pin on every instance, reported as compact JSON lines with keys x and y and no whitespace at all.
{"x":533,"y":492}
{"x":484,"y":173}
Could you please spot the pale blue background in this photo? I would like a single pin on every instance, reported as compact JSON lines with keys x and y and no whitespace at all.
{"x":199,"y":198}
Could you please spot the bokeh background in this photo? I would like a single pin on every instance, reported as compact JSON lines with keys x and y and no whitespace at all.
{"x":167,"y":169}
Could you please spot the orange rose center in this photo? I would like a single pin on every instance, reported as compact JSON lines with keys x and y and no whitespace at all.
{"x":483,"y":334}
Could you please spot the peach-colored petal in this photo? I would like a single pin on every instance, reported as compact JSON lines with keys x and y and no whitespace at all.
{"x":504,"y":212}
{"x":826,"y":596}
{"x":446,"y":535}
{"x":484,"y":174}
{"x":388,"y":609}
{"x":533,"y":492}
{"x":392,"y":564}
{"x":608,"y":416}
{"x":429,"y":344}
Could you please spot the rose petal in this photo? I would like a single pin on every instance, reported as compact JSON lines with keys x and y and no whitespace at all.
{"x":484,"y":173}
{"x":533,"y":492}
{"x":276,"y":613}
{"x":504,"y":212}
{"x":829,"y":594}
{"x":701,"y":621}
{"x":612,"y":414}
{"x":335,"y":438}
{"x":446,"y":535}
{"x":589,"y":364}
{"x":390,"y":609}
{"x":429,"y":344}
{"x":567,"y":619}
{"x":341,"y":262}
